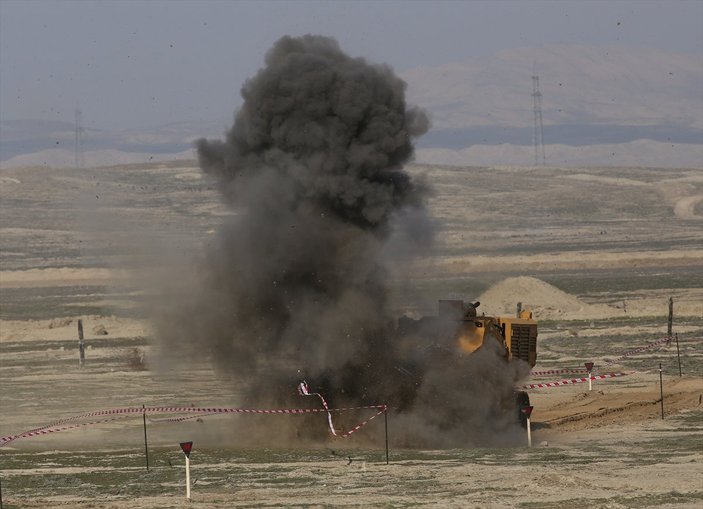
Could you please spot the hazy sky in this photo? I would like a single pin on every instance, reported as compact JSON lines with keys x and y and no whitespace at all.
{"x":145,"y":63}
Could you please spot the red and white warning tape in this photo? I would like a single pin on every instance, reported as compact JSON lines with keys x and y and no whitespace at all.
{"x":304,"y":390}
{"x":178,"y":419}
{"x":547,"y":385}
{"x":53,"y":429}
{"x":566,"y":371}
{"x":641,"y":349}
{"x":119,"y":413}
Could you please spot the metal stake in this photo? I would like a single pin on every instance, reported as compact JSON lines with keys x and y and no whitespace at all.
{"x":385,"y":418}
{"x":146,"y":447}
{"x":81,"y":344}
{"x":661,"y":388}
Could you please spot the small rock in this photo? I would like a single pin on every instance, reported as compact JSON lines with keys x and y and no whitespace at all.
{"x":60,"y":322}
{"x":100,"y":330}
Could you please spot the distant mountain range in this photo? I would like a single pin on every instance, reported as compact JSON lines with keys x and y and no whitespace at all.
{"x":601,"y":106}
{"x":612,"y":106}
{"x":22,"y":137}
{"x":580,"y":85}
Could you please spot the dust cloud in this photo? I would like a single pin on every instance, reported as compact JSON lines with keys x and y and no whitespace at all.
{"x":295,"y":284}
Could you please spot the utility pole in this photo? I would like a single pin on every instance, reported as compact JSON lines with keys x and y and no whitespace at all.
{"x":538,"y":129}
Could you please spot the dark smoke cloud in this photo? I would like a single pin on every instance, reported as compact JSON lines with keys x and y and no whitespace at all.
{"x":293,"y":286}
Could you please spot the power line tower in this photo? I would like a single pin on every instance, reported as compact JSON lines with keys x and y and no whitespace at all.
{"x":537,"y":130}
{"x":78,"y":148}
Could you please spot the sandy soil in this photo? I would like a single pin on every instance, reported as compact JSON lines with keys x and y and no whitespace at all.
{"x":65,"y":328}
{"x":594,"y":445}
{"x":53,"y":277}
{"x":595,"y":254}
{"x":606,"y":406}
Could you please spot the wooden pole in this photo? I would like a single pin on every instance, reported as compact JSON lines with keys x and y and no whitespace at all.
{"x":81,"y":344}
{"x":661,"y":388}
{"x":670,"y":323}
{"x":529,"y":433}
{"x":146,"y":447}
{"x":0,"y":494}
{"x":385,"y":418}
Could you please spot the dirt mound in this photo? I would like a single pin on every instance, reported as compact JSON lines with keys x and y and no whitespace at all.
{"x":548,"y":302}
{"x":544,"y":300}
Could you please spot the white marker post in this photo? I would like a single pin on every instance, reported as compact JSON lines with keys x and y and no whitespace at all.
{"x":589,"y":368}
{"x":188,"y":477}
{"x":527,"y":410}
{"x":187,"y":447}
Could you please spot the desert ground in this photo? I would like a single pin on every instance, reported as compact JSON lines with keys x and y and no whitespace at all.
{"x":595,"y":253}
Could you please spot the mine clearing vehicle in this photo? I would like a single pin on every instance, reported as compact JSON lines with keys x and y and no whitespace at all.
{"x":458,"y":328}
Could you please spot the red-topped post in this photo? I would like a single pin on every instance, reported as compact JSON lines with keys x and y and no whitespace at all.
{"x":187,"y":447}
{"x":589,"y":368}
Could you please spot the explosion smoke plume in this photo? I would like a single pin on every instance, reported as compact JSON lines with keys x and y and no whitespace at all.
{"x":294,"y":286}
